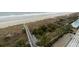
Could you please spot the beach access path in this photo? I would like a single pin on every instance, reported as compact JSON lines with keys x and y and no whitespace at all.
{"x":32,"y":40}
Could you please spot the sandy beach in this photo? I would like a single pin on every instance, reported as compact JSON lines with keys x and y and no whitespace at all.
{"x":28,"y":19}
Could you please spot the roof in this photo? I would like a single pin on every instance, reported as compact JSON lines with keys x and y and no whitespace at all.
{"x":75,"y":24}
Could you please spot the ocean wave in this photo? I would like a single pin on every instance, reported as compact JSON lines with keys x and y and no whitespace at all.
{"x":27,"y":15}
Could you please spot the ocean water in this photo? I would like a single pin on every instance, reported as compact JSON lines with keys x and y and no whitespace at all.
{"x":6,"y":16}
{"x":11,"y":16}
{"x":17,"y":13}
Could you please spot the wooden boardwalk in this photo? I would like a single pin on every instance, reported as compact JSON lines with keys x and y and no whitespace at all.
{"x":31,"y":38}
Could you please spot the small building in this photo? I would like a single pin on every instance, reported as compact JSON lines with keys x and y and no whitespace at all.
{"x":75,"y":24}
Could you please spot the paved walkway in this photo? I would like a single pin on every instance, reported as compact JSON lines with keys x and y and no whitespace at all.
{"x":62,"y":42}
{"x":75,"y":40}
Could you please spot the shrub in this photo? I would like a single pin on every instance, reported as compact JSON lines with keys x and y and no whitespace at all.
{"x":24,"y":30}
{"x":43,"y":40}
{"x":20,"y":43}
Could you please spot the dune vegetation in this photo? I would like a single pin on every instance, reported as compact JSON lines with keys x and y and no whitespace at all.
{"x":47,"y":31}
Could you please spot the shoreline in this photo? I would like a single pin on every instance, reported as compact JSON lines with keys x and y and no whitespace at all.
{"x":30,"y":19}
